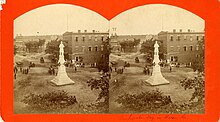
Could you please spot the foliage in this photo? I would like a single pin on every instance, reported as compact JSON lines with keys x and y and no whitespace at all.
{"x":33,"y":46}
{"x":198,"y":63}
{"x":50,"y":100}
{"x":103,"y":63}
{"x":129,"y":44}
{"x":147,"y":48}
{"x":155,"y":102}
{"x":144,"y":101}
{"x":102,"y":84}
{"x":52,"y":47}
{"x":196,"y":83}
{"x":15,"y":49}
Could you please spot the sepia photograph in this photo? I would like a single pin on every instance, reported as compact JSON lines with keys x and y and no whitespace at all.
{"x":157,"y":61}
{"x":71,"y":60}
{"x":61,"y":56}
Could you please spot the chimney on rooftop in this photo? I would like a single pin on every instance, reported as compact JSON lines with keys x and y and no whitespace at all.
{"x":174,"y":30}
{"x":85,"y":31}
{"x":79,"y":31}
{"x":93,"y":31}
{"x":180,"y":30}
{"x":189,"y":30}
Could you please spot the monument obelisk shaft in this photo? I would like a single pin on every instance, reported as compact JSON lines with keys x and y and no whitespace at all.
{"x":156,"y":78}
{"x":62,"y":77}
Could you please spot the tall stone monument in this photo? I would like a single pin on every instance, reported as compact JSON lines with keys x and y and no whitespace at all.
{"x":156,"y":78}
{"x":62,"y":78}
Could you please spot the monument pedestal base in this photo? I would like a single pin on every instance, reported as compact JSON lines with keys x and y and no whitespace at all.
{"x":62,"y":78}
{"x":157,"y":78}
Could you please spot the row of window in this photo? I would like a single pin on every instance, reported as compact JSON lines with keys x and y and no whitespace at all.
{"x":184,"y":37}
{"x":175,"y":58}
{"x":90,"y":48}
{"x":185,"y":48}
{"x":84,"y":38}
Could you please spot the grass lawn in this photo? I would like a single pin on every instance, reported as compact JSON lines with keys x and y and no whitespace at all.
{"x":132,"y":81}
{"x":38,"y":82}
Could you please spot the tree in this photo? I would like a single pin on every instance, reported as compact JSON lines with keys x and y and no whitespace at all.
{"x":52,"y":48}
{"x":129,"y":44}
{"x":196,"y":83}
{"x":102,"y":84}
{"x":15,"y":49}
{"x":198,"y":63}
{"x":34,"y":46}
{"x":103,"y":63}
{"x":147,"y":48}
{"x":41,"y":42}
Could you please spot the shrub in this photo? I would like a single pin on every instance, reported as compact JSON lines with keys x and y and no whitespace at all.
{"x":50,"y":100}
{"x":103,"y":84}
{"x":155,"y":102}
{"x":98,"y":107}
{"x":145,"y":100}
{"x":196,"y":83}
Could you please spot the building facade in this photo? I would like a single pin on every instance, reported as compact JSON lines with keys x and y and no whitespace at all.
{"x":86,"y":47}
{"x":182,"y":47}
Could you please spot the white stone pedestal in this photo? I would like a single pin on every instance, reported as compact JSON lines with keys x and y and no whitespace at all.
{"x":62,"y":78}
{"x":157,"y":78}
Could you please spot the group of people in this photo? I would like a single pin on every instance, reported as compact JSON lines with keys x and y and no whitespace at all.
{"x":52,"y":70}
{"x":147,"y":70}
{"x":23,"y":70}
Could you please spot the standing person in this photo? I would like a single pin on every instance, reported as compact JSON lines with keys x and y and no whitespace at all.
{"x":15,"y":71}
{"x":20,"y":69}
{"x":110,"y":69}
{"x":150,"y":71}
{"x":75,"y":69}
{"x":170,"y":68}
{"x":27,"y":70}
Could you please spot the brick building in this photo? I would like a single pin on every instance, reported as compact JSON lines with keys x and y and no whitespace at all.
{"x":86,"y":47}
{"x":181,"y":47}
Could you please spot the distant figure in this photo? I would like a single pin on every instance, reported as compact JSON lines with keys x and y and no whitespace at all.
{"x":20,"y":69}
{"x":170,"y":68}
{"x":75,"y":69}
{"x":15,"y":71}
{"x":27,"y":70}
{"x":150,"y":71}
{"x":110,"y":69}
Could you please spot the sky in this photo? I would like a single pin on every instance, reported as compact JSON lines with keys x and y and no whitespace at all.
{"x":147,"y":19}
{"x":52,"y":19}
{"x":151,"y":19}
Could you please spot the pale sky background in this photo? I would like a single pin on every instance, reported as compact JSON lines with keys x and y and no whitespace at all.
{"x":151,"y":19}
{"x":147,"y":19}
{"x":52,"y":19}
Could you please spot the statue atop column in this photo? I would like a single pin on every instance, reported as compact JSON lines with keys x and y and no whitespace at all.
{"x":156,"y":78}
{"x":62,"y":77}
